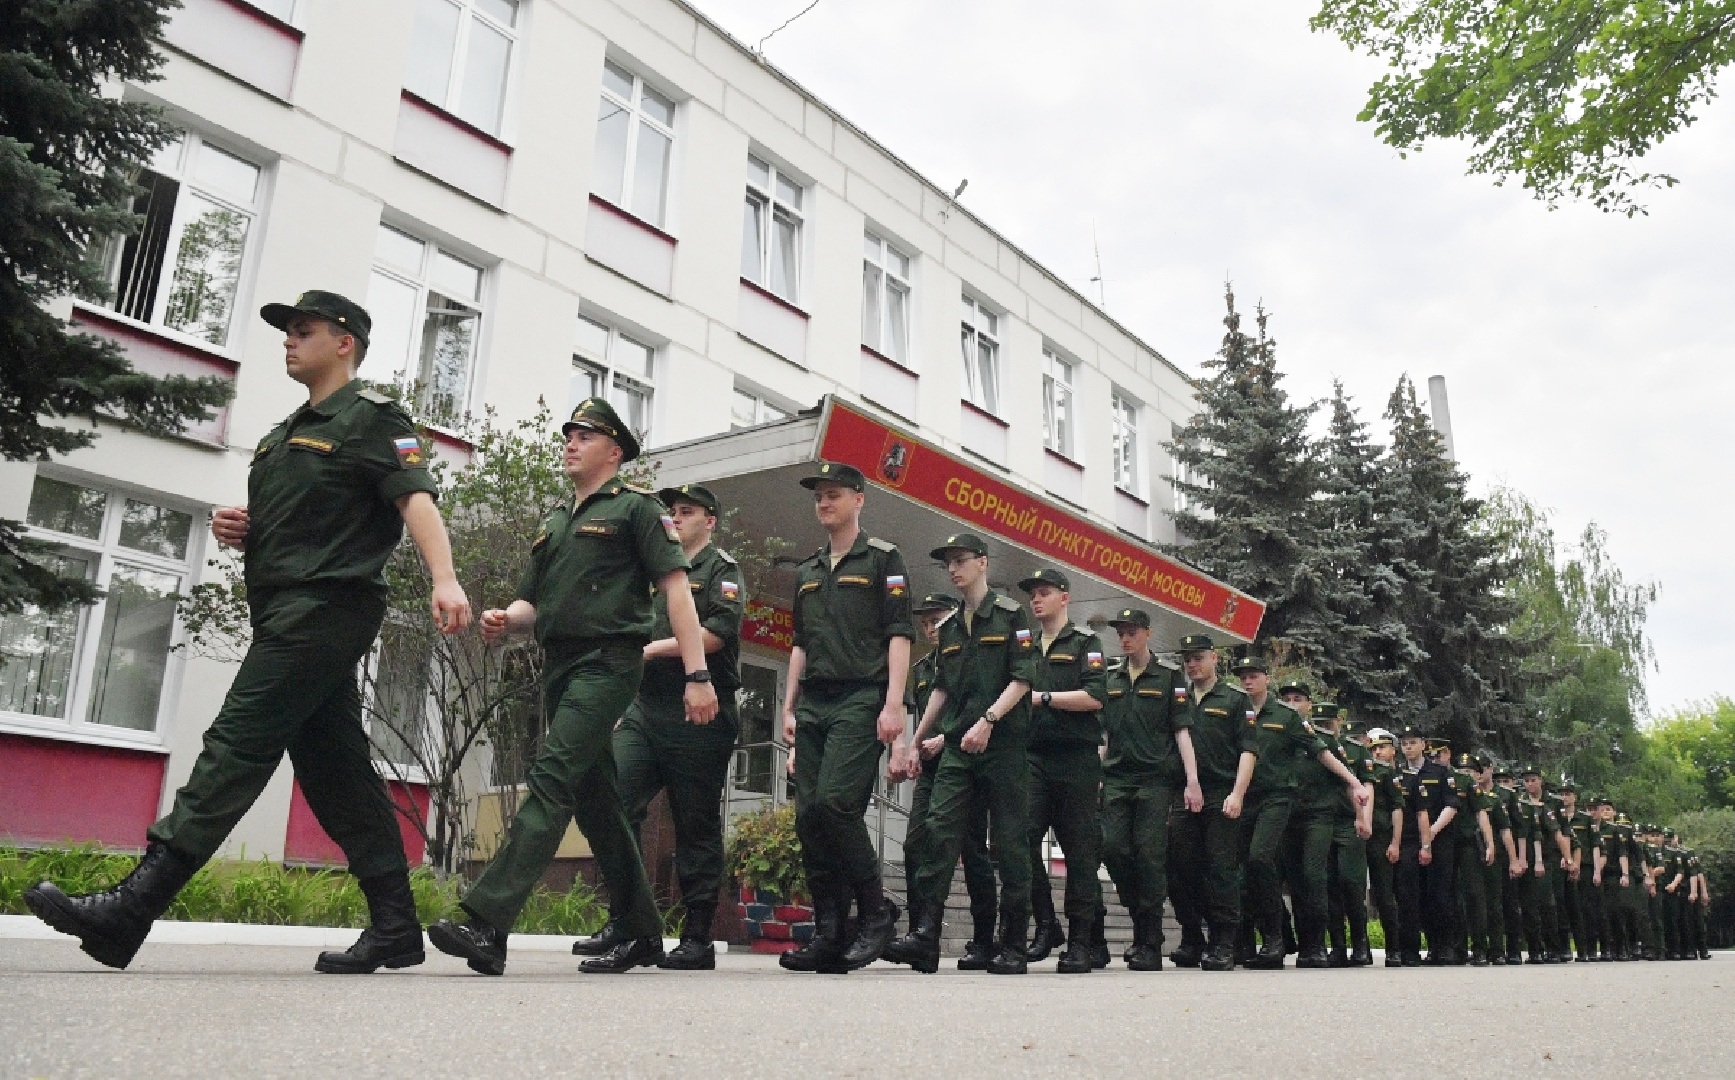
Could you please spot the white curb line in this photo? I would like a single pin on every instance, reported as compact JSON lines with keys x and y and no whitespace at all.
{"x":310,"y":937}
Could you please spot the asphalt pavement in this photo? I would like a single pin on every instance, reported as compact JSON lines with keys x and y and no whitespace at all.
{"x":260,"y":1011}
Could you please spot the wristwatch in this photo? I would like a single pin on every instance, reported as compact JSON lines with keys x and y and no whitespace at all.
{"x":702,"y":675}
{"x":1047,"y":698}
{"x":988,"y":715}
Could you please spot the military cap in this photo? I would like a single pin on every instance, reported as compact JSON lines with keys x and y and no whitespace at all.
{"x":1436,"y":743}
{"x":964,"y":541}
{"x":1528,"y":770}
{"x":1602,"y":800}
{"x":1132,"y":616}
{"x":349,"y":316}
{"x":1669,"y":833}
{"x":595,"y":414}
{"x":1477,"y":762}
{"x":1567,"y":785}
{"x":1411,"y":733}
{"x":1379,"y":737}
{"x":692,"y":493}
{"x":1048,"y":575}
{"x":1621,"y":819}
{"x":1326,"y":710}
{"x":1501,"y":770}
{"x":1250,"y":662}
{"x":1197,"y":643}
{"x":935,"y":602}
{"x":1296,"y":686}
{"x":835,"y":472}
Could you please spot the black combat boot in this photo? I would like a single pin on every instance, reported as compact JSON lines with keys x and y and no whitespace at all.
{"x":980,"y":948}
{"x":824,"y":952}
{"x":393,"y":938}
{"x":1099,"y":940}
{"x":1076,"y":959}
{"x":802,"y":958}
{"x":1009,"y":958}
{"x":630,"y":953}
{"x":875,"y":925}
{"x":600,"y":942}
{"x":1047,"y":938}
{"x":695,"y":952}
{"x":1246,"y":944}
{"x":1191,"y":949}
{"x":1220,"y":953}
{"x":474,"y":941}
{"x":920,"y":948}
{"x":1147,"y":951}
{"x":1360,"y":954}
{"x":111,"y":925}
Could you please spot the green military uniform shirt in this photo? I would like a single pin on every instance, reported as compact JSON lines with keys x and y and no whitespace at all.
{"x":593,"y":567}
{"x":1388,"y":796}
{"x":1074,"y":661}
{"x":1583,"y":829}
{"x":976,"y":664}
{"x":1461,"y":828}
{"x":1475,"y":803}
{"x":322,"y":492}
{"x":1140,"y":718}
{"x":1320,"y":789}
{"x":1283,"y":740}
{"x":1221,"y":734}
{"x":846,"y":614}
{"x":720,"y":598}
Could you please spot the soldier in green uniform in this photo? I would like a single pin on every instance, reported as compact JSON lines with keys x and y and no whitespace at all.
{"x":988,"y":659}
{"x":1383,"y":846}
{"x":1351,"y":825}
{"x":1605,"y":878}
{"x":656,"y":749}
{"x":922,"y":764}
{"x":1205,"y":845}
{"x":1149,"y":757}
{"x":1542,"y":916}
{"x":1496,"y":874}
{"x":1656,"y":864}
{"x":1264,"y":797}
{"x":1698,"y":901}
{"x":1067,"y":697}
{"x":1425,"y":865}
{"x":1580,"y":896}
{"x":1469,"y":846}
{"x":844,"y":701}
{"x":329,"y":494}
{"x":1518,"y":866}
{"x":1478,"y":850}
{"x":586,"y":595}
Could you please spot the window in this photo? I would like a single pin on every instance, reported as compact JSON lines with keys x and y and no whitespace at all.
{"x":1126,"y":442}
{"x":885,"y":300}
{"x":1183,"y":474}
{"x":771,"y":230}
{"x":426,"y":308}
{"x":981,"y":357}
{"x":182,"y":269}
{"x":614,"y":366}
{"x":751,"y":410}
{"x":106,"y":664}
{"x":635,"y":129}
{"x":1057,"y":421}
{"x":460,"y":55}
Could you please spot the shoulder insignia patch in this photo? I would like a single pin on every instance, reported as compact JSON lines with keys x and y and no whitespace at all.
{"x":1180,"y":695}
{"x":264,"y":446}
{"x":1006,"y":603}
{"x":1094,"y":659}
{"x":669,"y":529}
{"x":731,"y":590}
{"x":882,"y":545}
{"x":895,"y":584}
{"x":725,"y":556}
{"x":1023,"y":638}
{"x":409,"y":450}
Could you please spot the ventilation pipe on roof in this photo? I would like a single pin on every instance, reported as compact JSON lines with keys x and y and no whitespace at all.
{"x":1441,"y":413}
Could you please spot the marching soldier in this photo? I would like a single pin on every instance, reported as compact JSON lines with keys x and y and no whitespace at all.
{"x":1383,"y":846}
{"x":1478,"y":847}
{"x":329,"y":494}
{"x":1149,"y":756}
{"x":1518,"y":868}
{"x":1581,"y":897}
{"x":1541,"y":926}
{"x":586,"y":595}
{"x":1496,"y":874}
{"x":1065,"y":768}
{"x":656,"y":749}
{"x":1307,"y":844}
{"x":987,"y":661}
{"x":931,"y":612}
{"x":1351,"y":825}
{"x":844,"y":700}
{"x":1424,"y":869}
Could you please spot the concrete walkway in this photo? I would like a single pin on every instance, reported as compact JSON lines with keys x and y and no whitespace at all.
{"x":260,"y":1011}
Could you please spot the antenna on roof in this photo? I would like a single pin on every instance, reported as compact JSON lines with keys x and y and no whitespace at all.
{"x":759,"y":49}
{"x":1101,"y":286}
{"x":951,"y":200}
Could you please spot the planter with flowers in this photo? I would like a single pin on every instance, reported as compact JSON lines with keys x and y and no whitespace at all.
{"x":765,"y":863}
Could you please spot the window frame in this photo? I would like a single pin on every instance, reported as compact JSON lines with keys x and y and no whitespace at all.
{"x":773,"y":204}
{"x":762,"y":405}
{"x":468,"y":12}
{"x":107,"y":554}
{"x":970,"y":345}
{"x":1126,"y":418}
{"x":887,"y":282}
{"x":629,"y":165}
{"x":1063,"y":445}
{"x":422,"y":282}
{"x":608,"y":368}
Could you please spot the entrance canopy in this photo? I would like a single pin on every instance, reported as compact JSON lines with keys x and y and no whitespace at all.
{"x":918,"y":495}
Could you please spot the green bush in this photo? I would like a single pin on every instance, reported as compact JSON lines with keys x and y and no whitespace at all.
{"x":765,"y":853}
{"x":259,"y":891}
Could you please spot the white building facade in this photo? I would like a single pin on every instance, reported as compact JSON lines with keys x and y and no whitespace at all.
{"x":536,"y":199}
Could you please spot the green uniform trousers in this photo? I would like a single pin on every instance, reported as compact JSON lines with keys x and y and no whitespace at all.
{"x":837,"y":759}
{"x":1306,"y":851}
{"x":1540,"y":928}
{"x":1470,"y":889}
{"x":296,"y":693}
{"x":1381,"y":885}
{"x":657,"y":749}
{"x":1614,"y":924}
{"x":1264,"y":823}
{"x":1347,"y":880}
{"x":1065,"y":795}
{"x":1589,"y":907}
{"x":1135,"y":843}
{"x":574,"y":778}
{"x":1565,"y":908}
{"x":1207,"y":851}
{"x":919,"y":848}
{"x":996,"y":781}
{"x":1512,"y":899}
{"x":1494,"y":891}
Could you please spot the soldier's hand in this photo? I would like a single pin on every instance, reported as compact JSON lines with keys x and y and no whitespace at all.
{"x":897,"y":770}
{"x":789,"y":732}
{"x":976,"y":739}
{"x":1363,"y":830}
{"x":450,"y":607}
{"x":229,"y":526}
{"x":1393,"y":853}
{"x":1488,"y":859}
{"x":789,"y":761}
{"x":493,"y":624}
{"x":1193,"y":798}
{"x":701,"y":699}
{"x":1231,"y":806}
{"x":933,"y":746}
{"x":1541,"y":870}
{"x":891,"y":723}
{"x":1359,"y":794}
{"x":1426,"y":858}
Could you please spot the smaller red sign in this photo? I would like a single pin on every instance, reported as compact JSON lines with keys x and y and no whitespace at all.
{"x":768,"y":625}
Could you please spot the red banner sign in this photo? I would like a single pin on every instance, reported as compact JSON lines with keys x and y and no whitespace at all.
{"x":768,"y":625}
{"x":934,"y":478}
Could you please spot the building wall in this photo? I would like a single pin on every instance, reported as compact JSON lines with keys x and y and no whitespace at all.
{"x":331,"y":145}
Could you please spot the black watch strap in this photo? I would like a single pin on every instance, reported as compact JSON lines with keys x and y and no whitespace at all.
{"x":702,"y":675}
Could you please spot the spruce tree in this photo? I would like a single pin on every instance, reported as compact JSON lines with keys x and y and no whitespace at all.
{"x":68,"y":153}
{"x":1250,"y":518}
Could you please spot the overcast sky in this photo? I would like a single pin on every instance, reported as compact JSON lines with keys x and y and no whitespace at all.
{"x":1588,"y":357}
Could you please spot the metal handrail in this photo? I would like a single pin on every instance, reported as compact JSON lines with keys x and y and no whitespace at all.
{"x":882,"y":802}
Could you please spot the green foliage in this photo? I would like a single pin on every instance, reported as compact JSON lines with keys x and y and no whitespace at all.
{"x":68,"y":152}
{"x":1564,"y":95}
{"x":765,"y":852}
{"x":1702,"y":736}
{"x":1711,"y":835}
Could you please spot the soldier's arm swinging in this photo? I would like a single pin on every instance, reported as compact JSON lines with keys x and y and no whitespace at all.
{"x":701,"y":698}
{"x":449,"y":606}
{"x":1487,"y":827}
{"x":1357,"y":793}
{"x":976,"y":739}
{"x":1426,"y":832}
{"x":1193,"y":797}
{"x":791,"y":695}
{"x":1243,"y":778}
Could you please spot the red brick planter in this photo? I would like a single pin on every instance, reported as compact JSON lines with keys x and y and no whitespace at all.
{"x":775,"y":924}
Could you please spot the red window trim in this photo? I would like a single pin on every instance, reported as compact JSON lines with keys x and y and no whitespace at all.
{"x":85,"y":314}
{"x":980,"y":411}
{"x":267,"y":19}
{"x":1062,"y":458}
{"x":877,"y":355}
{"x":775,"y":299}
{"x":463,"y":125}
{"x":630,"y":218}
